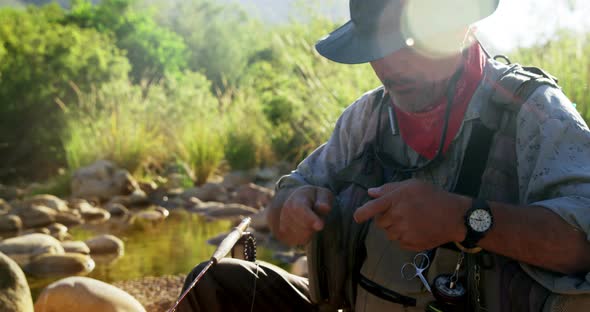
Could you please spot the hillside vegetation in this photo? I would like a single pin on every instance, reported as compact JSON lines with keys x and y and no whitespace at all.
{"x":190,"y":81}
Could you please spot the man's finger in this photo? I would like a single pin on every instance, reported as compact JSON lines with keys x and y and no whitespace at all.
{"x":371,"y":209}
{"x":376,"y":192}
{"x":323,"y":201}
{"x":311,"y":220}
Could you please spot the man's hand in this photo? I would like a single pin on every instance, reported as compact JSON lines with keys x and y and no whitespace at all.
{"x":419,"y":215}
{"x":302,"y":212}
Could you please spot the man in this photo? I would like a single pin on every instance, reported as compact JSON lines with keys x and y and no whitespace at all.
{"x":533,"y":204}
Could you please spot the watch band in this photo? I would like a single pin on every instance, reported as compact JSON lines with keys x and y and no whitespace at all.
{"x":473,"y":237}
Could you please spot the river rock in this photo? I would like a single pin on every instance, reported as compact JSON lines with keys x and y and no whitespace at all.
{"x":105,"y":244}
{"x":10,"y":224}
{"x":207,"y":192}
{"x":48,"y":201}
{"x":95,"y":214}
{"x":35,"y":216}
{"x":39,"y":230}
{"x":15,"y":295}
{"x":24,"y":248}
{"x":228,"y":211}
{"x":252,"y":195}
{"x":4,"y":207}
{"x":76,"y":247}
{"x":117,"y":209}
{"x":102,"y":180}
{"x":58,"y":231}
{"x":148,"y":187}
{"x":52,"y":266}
{"x":136,"y":199}
{"x":85,"y":294}
{"x":234,"y":179}
{"x":69,"y":218}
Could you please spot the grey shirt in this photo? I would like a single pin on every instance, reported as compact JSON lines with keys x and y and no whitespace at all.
{"x":552,"y":149}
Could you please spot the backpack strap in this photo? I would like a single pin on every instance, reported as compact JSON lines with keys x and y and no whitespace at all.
{"x":511,"y":91}
{"x":499,"y":180}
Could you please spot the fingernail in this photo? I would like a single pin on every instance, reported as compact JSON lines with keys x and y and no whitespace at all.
{"x":374,"y":190}
{"x":317,"y":226}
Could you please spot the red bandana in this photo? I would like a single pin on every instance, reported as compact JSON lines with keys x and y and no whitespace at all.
{"x":422,"y":131}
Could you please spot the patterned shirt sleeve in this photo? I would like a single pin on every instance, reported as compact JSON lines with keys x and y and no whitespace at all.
{"x":553,"y":152}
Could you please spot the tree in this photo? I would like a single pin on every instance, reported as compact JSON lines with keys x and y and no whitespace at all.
{"x":42,"y":60}
{"x":152,"y":50}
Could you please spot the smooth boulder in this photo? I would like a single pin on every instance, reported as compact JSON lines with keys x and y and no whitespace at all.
{"x":69,"y":218}
{"x":252,"y":195}
{"x":102,"y":180}
{"x":46,"y":200}
{"x":105,"y":244}
{"x":85,"y":294}
{"x":10,"y":224}
{"x":35,"y":216}
{"x":4,"y":206}
{"x":51,"y":266}
{"x":24,"y":248}
{"x":15,"y":295}
{"x":76,"y":247}
{"x":207,"y":192}
{"x":227,"y":211}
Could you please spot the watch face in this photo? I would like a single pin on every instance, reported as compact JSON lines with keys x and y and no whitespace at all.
{"x":480,"y":220}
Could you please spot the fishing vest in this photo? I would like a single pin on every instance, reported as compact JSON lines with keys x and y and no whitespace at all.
{"x":355,"y":267}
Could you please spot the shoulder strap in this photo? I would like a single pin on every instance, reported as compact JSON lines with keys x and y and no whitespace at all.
{"x":512,"y":90}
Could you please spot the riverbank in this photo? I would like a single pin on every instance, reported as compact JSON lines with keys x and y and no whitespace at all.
{"x":156,"y":294}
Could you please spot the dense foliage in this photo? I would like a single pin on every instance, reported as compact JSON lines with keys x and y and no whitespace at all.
{"x":145,"y":82}
{"x":40,"y":61}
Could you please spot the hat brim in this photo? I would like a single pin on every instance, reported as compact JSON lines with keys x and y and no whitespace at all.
{"x":345,"y":45}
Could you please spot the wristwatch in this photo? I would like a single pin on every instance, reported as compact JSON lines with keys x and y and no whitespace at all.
{"x":478,"y":220}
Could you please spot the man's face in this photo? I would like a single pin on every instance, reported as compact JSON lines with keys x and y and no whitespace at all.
{"x":414,"y":80}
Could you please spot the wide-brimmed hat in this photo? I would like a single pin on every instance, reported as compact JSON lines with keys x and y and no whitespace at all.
{"x":380,"y":27}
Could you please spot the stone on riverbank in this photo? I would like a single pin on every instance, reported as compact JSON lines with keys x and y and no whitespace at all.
{"x":92,"y":214}
{"x":226,"y":211}
{"x":50,"y":266}
{"x":252,"y":195}
{"x":207,"y":192}
{"x":45,"y":200}
{"x":85,"y":294}
{"x":24,"y":248}
{"x":102,"y":180}
{"x":105,"y":244}
{"x":58,"y":231}
{"x":117,"y":210}
{"x":35,"y":215}
{"x":15,"y":295}
{"x":10,"y":224}
{"x":4,"y":207}
{"x":69,"y":218}
{"x":76,"y":247}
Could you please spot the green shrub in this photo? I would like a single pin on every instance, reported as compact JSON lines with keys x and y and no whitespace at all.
{"x":248,"y":133}
{"x":39,"y":57}
{"x":114,"y":123}
{"x":567,"y":59}
{"x":200,"y":144}
{"x":152,"y":50}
